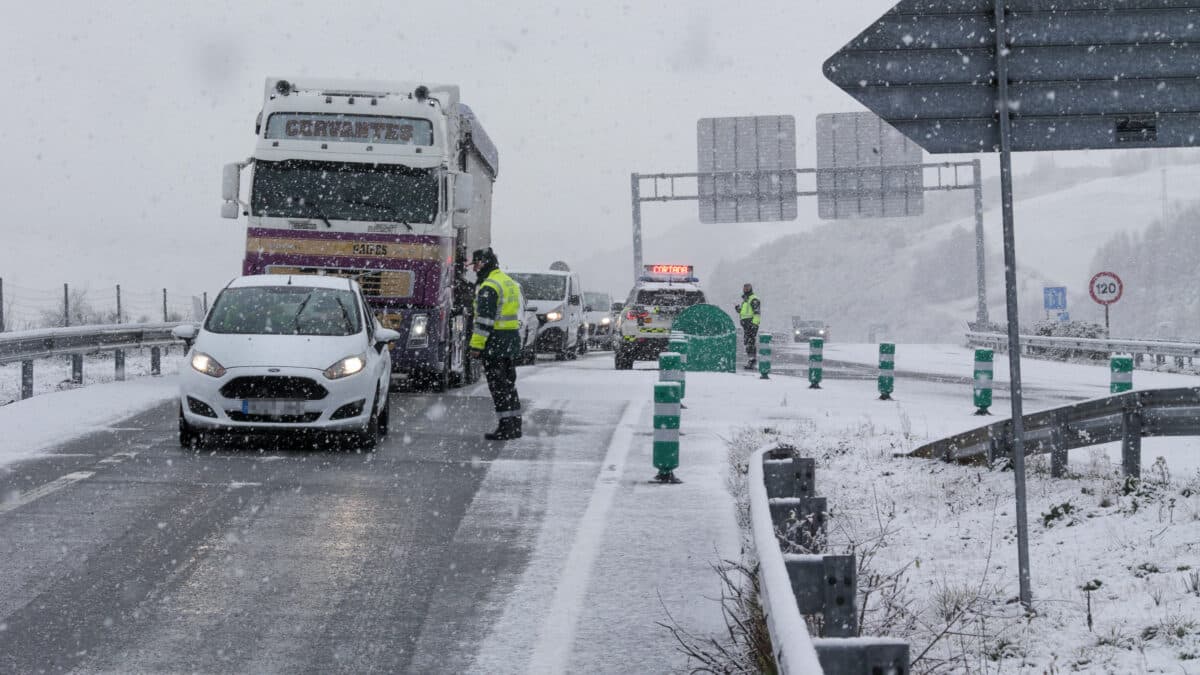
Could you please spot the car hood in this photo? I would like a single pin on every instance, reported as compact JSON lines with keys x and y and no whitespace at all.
{"x":284,"y":351}
{"x":543,"y":306}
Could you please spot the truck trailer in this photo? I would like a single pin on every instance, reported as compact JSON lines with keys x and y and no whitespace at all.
{"x":386,"y":182}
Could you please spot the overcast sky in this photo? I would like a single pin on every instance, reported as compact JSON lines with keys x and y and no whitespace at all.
{"x":120,"y":114}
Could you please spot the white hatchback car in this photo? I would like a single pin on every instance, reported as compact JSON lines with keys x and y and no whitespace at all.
{"x":286,"y":353}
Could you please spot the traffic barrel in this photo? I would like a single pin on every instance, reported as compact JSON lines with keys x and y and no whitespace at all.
{"x":670,"y":369}
{"x":887,"y":370}
{"x":1121,"y":368}
{"x":983,"y":381}
{"x":816,"y":359}
{"x":764,"y":355}
{"x":667,"y":396}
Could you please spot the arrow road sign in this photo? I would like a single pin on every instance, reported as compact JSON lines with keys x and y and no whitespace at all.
{"x":1054,"y":297}
{"x":1081,"y":74}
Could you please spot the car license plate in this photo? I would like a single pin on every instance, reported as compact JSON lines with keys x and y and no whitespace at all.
{"x":270,"y":406}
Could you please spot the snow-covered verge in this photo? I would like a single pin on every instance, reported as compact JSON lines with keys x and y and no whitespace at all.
{"x":1115,"y":564}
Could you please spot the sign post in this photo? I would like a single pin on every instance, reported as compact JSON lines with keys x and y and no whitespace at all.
{"x":1085,"y":76}
{"x":1106,"y":288}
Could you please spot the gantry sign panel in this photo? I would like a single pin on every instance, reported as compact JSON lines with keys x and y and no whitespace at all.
{"x":866,"y":169}
{"x":762,"y":152}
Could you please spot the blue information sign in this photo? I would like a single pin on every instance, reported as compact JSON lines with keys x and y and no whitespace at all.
{"x":1054,"y":297}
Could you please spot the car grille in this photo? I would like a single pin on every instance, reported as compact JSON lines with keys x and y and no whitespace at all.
{"x":274,"y":386}
{"x":239,"y":416}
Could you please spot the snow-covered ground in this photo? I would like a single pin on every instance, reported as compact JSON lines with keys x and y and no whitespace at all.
{"x":936,"y":541}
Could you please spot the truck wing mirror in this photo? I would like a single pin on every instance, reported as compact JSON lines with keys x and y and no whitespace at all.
{"x":573,"y":300}
{"x":464,"y":192}
{"x":617,"y":306}
{"x":230,"y":210}
{"x":231,"y":182}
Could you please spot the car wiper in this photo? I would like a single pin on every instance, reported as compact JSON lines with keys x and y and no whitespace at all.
{"x":345,"y":314}
{"x":313,"y":206}
{"x":379,"y":205}
{"x":300,"y":310}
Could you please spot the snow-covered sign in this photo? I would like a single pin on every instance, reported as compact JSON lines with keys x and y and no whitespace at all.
{"x":754,"y":159}
{"x":1081,"y":74}
{"x":1106,"y":288}
{"x":866,"y":169}
{"x":1054,"y":297}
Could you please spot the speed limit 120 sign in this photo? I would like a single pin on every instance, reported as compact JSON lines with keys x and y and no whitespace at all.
{"x":1106,"y":288}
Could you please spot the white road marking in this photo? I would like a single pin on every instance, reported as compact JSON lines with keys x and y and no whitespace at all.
{"x":37,"y":493}
{"x":118,"y":457}
{"x":553,"y":648}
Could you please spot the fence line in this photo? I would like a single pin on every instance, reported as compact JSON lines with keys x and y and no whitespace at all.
{"x":25,"y":308}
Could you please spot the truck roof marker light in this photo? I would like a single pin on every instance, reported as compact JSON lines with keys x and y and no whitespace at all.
{"x":283,"y":87}
{"x":329,"y":99}
{"x":351,"y":100}
{"x":421,"y":92}
{"x":374,"y":101}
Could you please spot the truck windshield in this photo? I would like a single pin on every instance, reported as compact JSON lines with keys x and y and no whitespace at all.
{"x":344,"y":191}
{"x":541,"y":286}
{"x":284,"y":310}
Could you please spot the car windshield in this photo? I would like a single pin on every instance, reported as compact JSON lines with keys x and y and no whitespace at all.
{"x":669,"y":297}
{"x":284,"y":310}
{"x":536,"y":286}
{"x":599,"y":302}
{"x":808,"y":324}
{"x":344,"y":191}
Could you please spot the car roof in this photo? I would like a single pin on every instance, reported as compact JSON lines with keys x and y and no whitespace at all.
{"x":553,"y":273}
{"x":303,"y":280}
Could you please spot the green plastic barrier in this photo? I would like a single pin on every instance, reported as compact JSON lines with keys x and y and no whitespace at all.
{"x":712,"y":339}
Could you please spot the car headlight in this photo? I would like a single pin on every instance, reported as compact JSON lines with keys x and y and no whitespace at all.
{"x":797,"y":332}
{"x":553,"y":316}
{"x":346,"y":367}
{"x":605,"y":321}
{"x":206,"y":364}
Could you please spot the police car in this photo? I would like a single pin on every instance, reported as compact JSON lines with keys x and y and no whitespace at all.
{"x":644,"y":323}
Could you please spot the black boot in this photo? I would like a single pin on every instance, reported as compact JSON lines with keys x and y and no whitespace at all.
{"x":509,"y":428}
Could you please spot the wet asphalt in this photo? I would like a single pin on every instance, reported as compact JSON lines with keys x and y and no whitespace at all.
{"x":122,"y":552}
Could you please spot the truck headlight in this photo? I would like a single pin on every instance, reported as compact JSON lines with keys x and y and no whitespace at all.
{"x":418,"y":331}
{"x":206,"y":364}
{"x":553,"y":316}
{"x":346,"y":367}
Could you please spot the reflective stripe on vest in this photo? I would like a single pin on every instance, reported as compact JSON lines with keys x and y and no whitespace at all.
{"x":746,"y":311}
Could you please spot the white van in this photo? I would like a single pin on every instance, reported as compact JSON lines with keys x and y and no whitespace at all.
{"x":557,"y":298}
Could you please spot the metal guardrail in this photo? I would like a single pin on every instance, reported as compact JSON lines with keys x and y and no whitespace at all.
{"x":1126,"y":417}
{"x":1159,"y":349}
{"x":26,"y":346}
{"x":783,"y":507}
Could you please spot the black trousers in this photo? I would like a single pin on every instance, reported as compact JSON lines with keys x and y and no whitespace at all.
{"x":750,"y":338}
{"x":501,"y":376}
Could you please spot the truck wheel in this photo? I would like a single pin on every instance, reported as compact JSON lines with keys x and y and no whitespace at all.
{"x":623,"y":359}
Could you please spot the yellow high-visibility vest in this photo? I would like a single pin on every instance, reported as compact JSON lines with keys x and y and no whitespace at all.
{"x":747,"y":310}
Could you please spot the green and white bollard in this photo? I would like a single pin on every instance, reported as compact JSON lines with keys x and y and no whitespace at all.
{"x":666,"y":430}
{"x":816,"y":359}
{"x":670,"y":369}
{"x":764,"y":355}
{"x":887,"y":370}
{"x":678,"y":343}
{"x":1121,"y":367}
{"x":983,"y":381}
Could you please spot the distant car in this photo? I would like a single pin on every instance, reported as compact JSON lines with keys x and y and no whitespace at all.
{"x":286,"y":353}
{"x":803,"y":330}
{"x":556,"y":295}
{"x":598,"y":313}
{"x":644,"y":324}
{"x":529,"y":336}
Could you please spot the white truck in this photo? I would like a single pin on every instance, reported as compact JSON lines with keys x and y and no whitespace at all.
{"x":386,"y":182}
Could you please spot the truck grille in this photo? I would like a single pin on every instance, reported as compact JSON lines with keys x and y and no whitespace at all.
{"x":274,"y":386}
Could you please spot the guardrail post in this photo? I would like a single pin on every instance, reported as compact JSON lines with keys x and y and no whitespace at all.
{"x":787,"y":474}
{"x":826,"y":585}
{"x":803,"y":519}
{"x":1131,"y":438}
{"x":666,"y":430}
{"x":816,"y":362}
{"x":1121,"y":368}
{"x":670,"y":369}
{"x":887,"y":370}
{"x":983,"y":381}
{"x":1058,"y":446}
{"x":155,"y":361}
{"x":119,"y":365}
{"x":886,"y":656}
{"x":764,"y":355}
{"x":26,"y":379}
{"x":77,"y":368}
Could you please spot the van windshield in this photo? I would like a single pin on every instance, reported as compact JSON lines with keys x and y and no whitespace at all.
{"x":536,"y":286}
{"x":599,"y":302}
{"x":284,"y":310}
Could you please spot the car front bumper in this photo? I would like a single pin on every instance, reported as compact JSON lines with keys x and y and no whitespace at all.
{"x":277,"y":399}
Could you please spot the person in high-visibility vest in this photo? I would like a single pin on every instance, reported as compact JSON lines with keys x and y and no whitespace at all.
{"x":750,"y":313}
{"x":496,"y":337}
